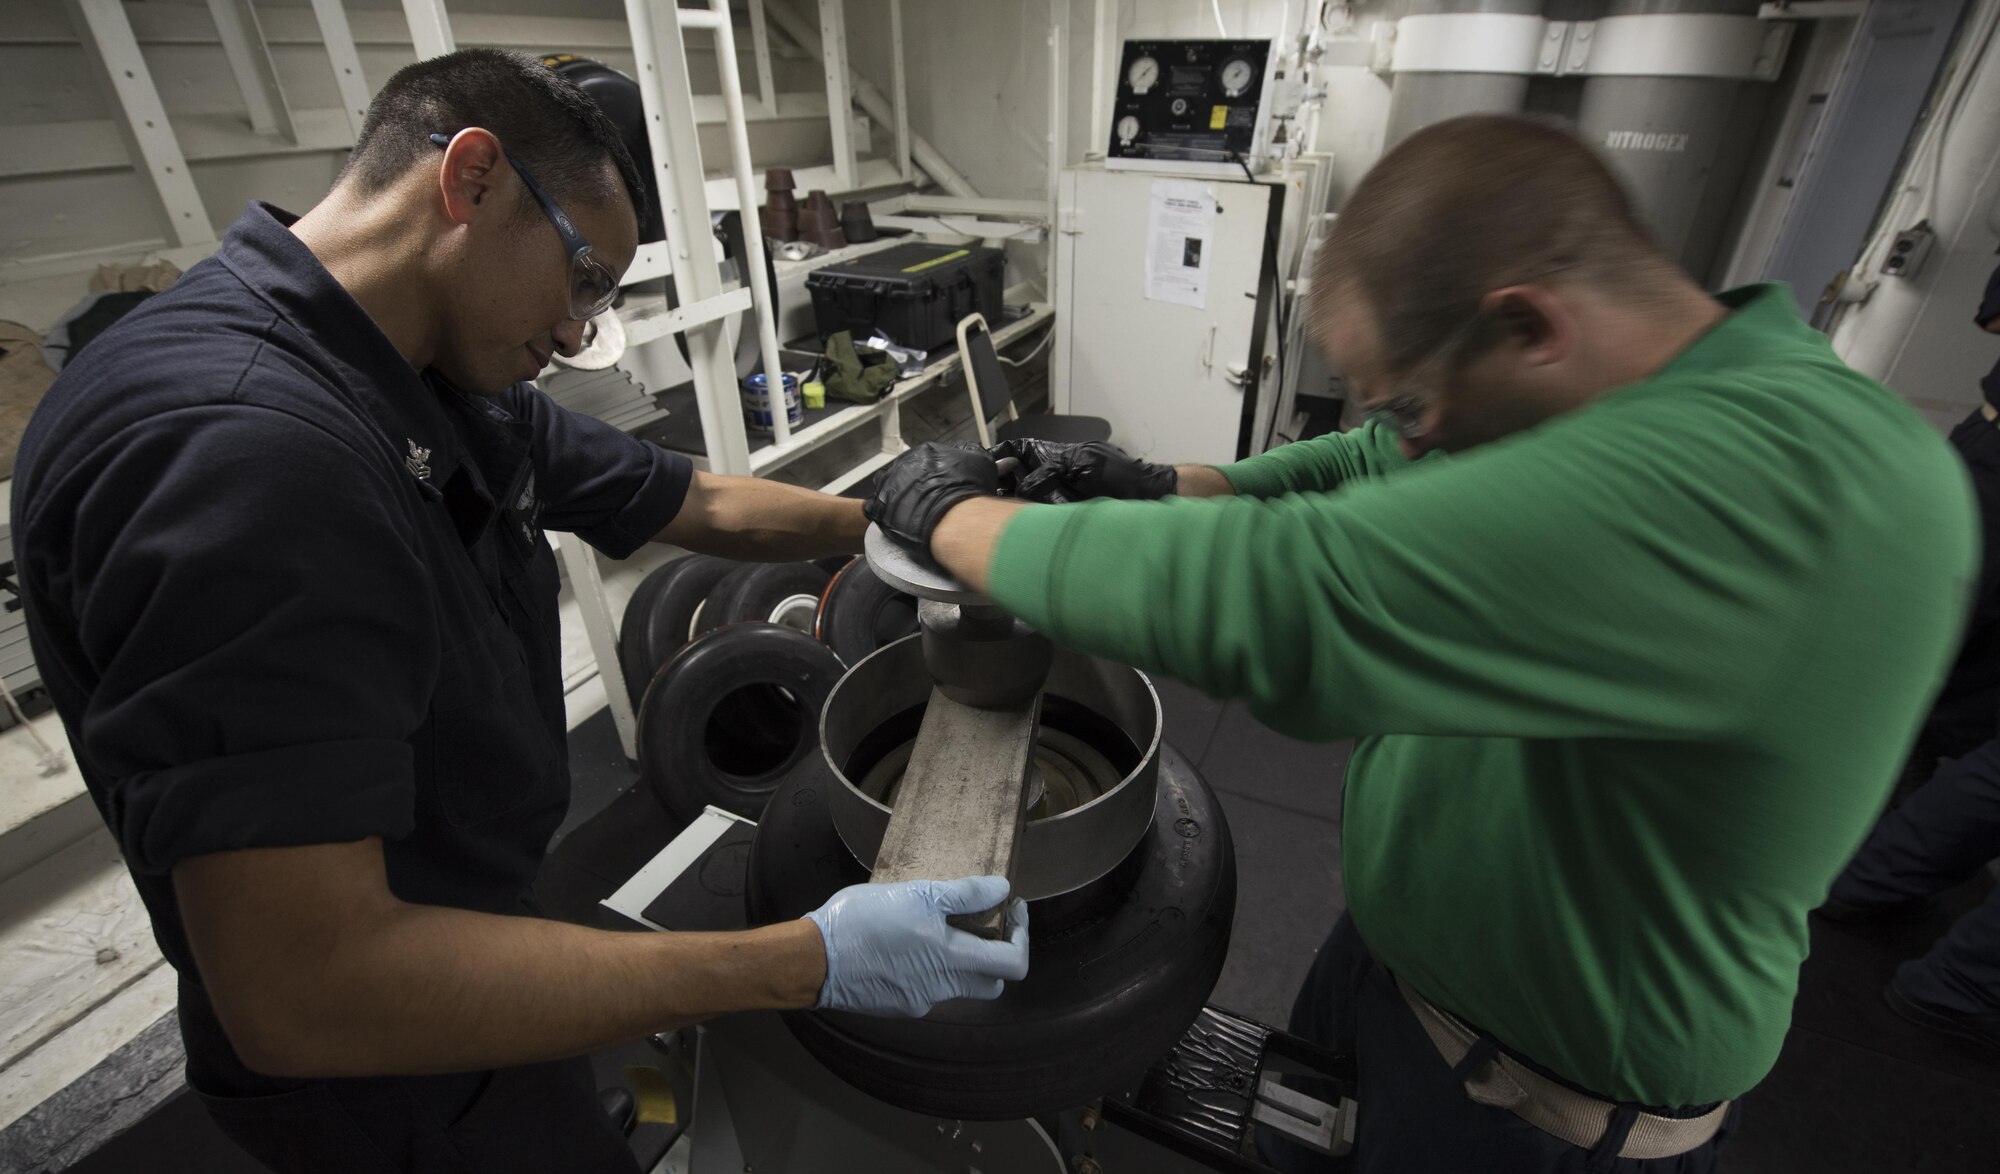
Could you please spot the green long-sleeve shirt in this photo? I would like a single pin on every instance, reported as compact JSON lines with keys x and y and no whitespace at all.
{"x":1629,"y":686}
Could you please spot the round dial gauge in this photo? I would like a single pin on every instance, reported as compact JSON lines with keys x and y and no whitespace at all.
{"x":1237,"y":75}
{"x":1143,"y":74}
{"x":1128,"y":129}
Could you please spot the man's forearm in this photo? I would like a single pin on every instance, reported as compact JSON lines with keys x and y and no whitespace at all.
{"x":430,"y":989}
{"x":764,"y":521}
{"x":1201,"y":481}
{"x":968,"y":534}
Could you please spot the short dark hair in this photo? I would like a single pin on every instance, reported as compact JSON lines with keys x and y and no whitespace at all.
{"x":1470,"y":205}
{"x":543,"y":120}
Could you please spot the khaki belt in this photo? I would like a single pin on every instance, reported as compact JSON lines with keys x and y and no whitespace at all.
{"x":1553,"y":1107}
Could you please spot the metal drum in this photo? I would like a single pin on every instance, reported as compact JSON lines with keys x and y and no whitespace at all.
{"x":1096,"y":760}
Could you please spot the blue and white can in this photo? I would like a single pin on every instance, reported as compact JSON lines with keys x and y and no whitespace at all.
{"x":757,"y":404}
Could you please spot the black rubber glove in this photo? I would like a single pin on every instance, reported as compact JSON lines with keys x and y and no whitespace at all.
{"x":1039,"y":476}
{"x":1060,"y":473}
{"x":914,"y":491}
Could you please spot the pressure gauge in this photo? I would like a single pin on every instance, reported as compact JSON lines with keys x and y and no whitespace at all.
{"x":1143,"y":74}
{"x":1193,"y":106}
{"x":1237,"y":74}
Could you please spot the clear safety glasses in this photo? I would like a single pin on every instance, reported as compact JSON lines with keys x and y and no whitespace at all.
{"x":1424,"y":383}
{"x":592,"y":285}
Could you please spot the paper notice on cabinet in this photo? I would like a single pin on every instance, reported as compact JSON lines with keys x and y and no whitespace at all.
{"x":1180,"y":235}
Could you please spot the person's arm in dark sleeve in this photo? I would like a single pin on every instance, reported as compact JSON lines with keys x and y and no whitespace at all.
{"x":618,"y":493}
{"x":249,"y":598}
{"x":1476,"y":597}
{"x":1988,"y":317}
{"x":256,"y":618}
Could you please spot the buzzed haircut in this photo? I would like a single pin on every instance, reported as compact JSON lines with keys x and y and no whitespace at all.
{"x":1474,"y":204}
{"x":543,"y":120}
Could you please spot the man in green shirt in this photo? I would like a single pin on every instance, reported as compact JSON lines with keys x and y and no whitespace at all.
{"x":1632,"y":597}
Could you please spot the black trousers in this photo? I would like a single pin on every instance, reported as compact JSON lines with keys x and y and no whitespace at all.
{"x":1935,"y":840}
{"x":1963,"y":715}
{"x":1415,"y":1115}
{"x":536,"y":1119}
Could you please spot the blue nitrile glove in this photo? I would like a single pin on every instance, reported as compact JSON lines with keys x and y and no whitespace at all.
{"x":889,"y":951}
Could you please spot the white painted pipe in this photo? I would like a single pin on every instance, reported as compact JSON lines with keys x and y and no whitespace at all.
{"x":753,"y":229}
{"x":1871,"y":337}
{"x":806,"y":34}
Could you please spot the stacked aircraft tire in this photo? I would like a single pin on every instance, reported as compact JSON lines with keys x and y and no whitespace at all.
{"x":727,"y":701}
{"x":731,"y":718}
{"x":1118,"y":969}
{"x":859,"y":613}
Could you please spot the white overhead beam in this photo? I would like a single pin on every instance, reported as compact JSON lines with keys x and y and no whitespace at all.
{"x":902,"y":93}
{"x":108,"y":42}
{"x":430,"y":28}
{"x":760,"y":48}
{"x":347,"y":75}
{"x":250,"y":60}
{"x":839,"y":100}
{"x":872,"y":100}
{"x":1058,"y":109}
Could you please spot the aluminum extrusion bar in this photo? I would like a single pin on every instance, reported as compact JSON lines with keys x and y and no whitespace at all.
{"x":963,"y":798}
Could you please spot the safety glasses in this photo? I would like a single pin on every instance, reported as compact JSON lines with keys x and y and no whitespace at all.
{"x":1405,"y":411}
{"x":1424,"y":383}
{"x":592,"y":285}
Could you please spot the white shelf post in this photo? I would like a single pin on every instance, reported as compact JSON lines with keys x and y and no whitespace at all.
{"x":753,"y":231}
{"x":580,"y":561}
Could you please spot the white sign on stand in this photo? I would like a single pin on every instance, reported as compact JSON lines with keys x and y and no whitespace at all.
{"x":1180,"y":240}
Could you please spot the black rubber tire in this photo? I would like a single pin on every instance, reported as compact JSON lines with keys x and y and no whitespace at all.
{"x":697,"y":746}
{"x":859,"y":613}
{"x":659,"y":617}
{"x":1117,"y":971}
{"x":749,"y":593}
{"x":833,"y":563}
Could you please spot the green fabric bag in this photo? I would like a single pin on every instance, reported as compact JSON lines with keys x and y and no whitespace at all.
{"x":857,"y":374}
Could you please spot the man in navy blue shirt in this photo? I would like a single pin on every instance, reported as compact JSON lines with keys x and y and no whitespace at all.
{"x":280,"y":535}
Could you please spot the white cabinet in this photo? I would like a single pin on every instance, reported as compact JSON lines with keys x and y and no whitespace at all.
{"x":1169,"y":377}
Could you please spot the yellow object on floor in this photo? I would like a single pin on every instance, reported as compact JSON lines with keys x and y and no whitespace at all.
{"x":655,"y":1096}
{"x":815,"y":394}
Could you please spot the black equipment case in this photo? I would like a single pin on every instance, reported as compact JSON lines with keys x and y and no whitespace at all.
{"x":912,"y":294}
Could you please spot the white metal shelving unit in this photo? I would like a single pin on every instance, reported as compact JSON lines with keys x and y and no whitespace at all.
{"x":660,"y":35}
{"x":659,"y":29}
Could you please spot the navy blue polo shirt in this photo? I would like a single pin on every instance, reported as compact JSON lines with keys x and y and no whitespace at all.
{"x":286,"y":590}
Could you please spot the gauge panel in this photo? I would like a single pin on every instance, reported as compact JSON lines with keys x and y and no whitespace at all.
{"x":1196,"y":103}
